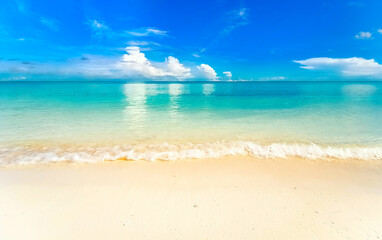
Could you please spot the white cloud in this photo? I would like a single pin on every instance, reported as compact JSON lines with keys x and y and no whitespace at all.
{"x":228,"y":74}
{"x":207,"y":71}
{"x":236,"y":18}
{"x":16,"y":78}
{"x":99,"y":29}
{"x":97,"y":25}
{"x":50,"y":23}
{"x":380,"y":30}
{"x":142,"y":43}
{"x":232,"y":20}
{"x":143,"y":32}
{"x":156,"y":31}
{"x":176,"y":69}
{"x":364,"y":35}
{"x":196,"y":55}
{"x":276,"y":78}
{"x":243,"y":12}
{"x":345,"y":66}
{"x":136,"y":63}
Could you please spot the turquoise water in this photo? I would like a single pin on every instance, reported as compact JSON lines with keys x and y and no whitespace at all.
{"x":95,"y":121}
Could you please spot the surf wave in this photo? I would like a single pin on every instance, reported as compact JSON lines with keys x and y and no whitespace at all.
{"x":166,"y":151}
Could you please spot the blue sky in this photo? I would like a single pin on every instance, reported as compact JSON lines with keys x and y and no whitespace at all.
{"x":188,"y":40}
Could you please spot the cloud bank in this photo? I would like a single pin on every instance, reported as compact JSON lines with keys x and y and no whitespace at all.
{"x":357,"y":67}
{"x":133,"y":63}
{"x":275,"y":78}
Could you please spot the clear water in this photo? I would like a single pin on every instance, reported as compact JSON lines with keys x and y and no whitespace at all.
{"x":95,"y":121}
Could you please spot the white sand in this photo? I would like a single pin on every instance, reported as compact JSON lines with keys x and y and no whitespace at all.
{"x":236,"y":198}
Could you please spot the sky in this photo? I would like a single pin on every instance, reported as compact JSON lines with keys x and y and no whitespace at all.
{"x":221,"y":40}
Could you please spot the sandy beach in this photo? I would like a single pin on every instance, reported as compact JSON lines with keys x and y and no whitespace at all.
{"x":190,"y":120}
{"x":232,"y":198}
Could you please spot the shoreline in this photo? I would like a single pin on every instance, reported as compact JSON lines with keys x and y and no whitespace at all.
{"x":180,"y":151}
{"x":228,"y":198}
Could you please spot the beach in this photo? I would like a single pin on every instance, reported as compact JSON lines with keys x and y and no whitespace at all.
{"x":190,"y":120}
{"x":224,"y":160}
{"x":228,"y":198}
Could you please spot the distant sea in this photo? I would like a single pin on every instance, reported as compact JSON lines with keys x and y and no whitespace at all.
{"x":43,"y":122}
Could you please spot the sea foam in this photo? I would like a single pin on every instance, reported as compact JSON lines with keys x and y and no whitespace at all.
{"x":166,"y":151}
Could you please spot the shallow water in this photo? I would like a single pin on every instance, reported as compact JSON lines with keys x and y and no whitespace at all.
{"x":95,"y":121}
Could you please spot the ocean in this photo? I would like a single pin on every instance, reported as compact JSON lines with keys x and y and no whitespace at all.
{"x":74,"y":121}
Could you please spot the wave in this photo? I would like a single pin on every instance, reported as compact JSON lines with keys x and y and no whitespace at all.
{"x":166,"y":151}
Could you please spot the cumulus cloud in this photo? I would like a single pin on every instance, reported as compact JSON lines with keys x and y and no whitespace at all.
{"x":228,"y":74}
{"x":363,"y":35}
{"x":207,"y":71}
{"x":143,"y":32}
{"x":136,"y":62}
{"x":176,"y":69}
{"x":345,"y":66}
